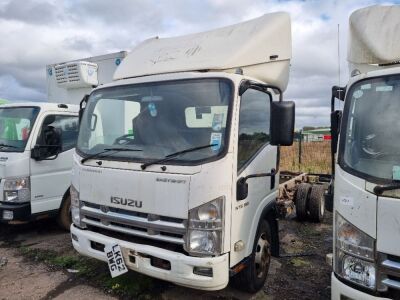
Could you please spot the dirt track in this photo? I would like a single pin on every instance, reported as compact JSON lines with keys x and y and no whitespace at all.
{"x":37,"y":262}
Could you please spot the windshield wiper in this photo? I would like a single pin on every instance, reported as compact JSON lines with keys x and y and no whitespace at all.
{"x":379,"y":189}
{"x":175,"y":154}
{"x":5,"y":145}
{"x":105,"y":151}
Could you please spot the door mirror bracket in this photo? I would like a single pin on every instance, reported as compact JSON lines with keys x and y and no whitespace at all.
{"x":242,"y":188}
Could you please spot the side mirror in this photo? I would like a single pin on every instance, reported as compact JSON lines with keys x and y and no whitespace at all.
{"x":336,"y":119}
{"x":242,"y":189}
{"x":339,"y":92}
{"x":282,"y":123}
{"x":51,"y":150}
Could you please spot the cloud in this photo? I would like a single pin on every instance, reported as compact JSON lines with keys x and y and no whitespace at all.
{"x":39,"y":32}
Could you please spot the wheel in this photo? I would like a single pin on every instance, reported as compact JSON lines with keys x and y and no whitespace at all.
{"x":316,"y":204}
{"x":64,"y":219}
{"x":253,"y":277}
{"x":301,"y":198}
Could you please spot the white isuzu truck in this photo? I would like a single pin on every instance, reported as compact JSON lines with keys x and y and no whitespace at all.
{"x":175,"y":173}
{"x":37,"y":141}
{"x":366,"y":190}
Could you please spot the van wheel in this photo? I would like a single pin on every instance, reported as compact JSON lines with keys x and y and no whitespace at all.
{"x":317,"y":203}
{"x":301,"y":198}
{"x":64,"y":219}
{"x":253,"y":277}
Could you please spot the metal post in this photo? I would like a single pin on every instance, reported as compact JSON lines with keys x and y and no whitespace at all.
{"x":300,"y":148}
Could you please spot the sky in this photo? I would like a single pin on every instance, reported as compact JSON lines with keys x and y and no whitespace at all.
{"x":34,"y":33}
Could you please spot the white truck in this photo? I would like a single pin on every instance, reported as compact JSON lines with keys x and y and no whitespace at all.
{"x":175,"y":172}
{"x":37,"y":141}
{"x":366,"y":190}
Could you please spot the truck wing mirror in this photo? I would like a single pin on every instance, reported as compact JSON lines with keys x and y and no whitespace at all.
{"x":336,"y":119}
{"x":48,"y":151}
{"x":282,"y":123}
{"x":339,"y":92}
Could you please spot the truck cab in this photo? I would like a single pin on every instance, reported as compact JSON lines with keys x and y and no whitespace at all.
{"x":37,"y":141}
{"x":366,"y":204}
{"x":36,"y":146}
{"x":176,"y":168}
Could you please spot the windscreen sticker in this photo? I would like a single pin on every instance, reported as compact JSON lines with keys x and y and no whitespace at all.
{"x":348,"y":201}
{"x":366,"y":86}
{"x":396,"y":172}
{"x":217,"y":122}
{"x":384,"y":88}
{"x":152,"y":109}
{"x":358,"y":94}
{"x":215,"y":140}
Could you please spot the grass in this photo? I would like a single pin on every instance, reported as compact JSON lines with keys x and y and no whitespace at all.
{"x":315,"y":158}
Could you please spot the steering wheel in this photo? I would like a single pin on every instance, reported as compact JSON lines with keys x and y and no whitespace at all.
{"x":371,"y":145}
{"x":126,"y":139}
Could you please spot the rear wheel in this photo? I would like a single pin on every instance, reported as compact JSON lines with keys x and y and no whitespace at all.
{"x":317,"y":203}
{"x":301,"y":198}
{"x":64,"y":219}
{"x":253,"y":277}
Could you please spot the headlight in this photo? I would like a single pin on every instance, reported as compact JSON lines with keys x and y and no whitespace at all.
{"x":206,"y":227}
{"x":355,"y":252}
{"x":75,"y":207}
{"x":17,"y":189}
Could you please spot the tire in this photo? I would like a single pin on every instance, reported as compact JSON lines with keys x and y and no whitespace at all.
{"x":317,"y":203}
{"x":301,"y":198}
{"x":253,"y":277}
{"x":64,"y":219}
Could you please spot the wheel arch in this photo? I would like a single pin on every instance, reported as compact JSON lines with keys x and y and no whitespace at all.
{"x":64,"y":197}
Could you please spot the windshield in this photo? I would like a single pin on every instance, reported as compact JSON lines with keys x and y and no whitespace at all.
{"x":15,"y":127}
{"x":159,"y":119}
{"x":370,"y":146}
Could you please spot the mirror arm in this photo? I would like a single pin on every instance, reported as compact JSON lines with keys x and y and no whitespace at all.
{"x":246,"y":84}
{"x":271,"y":174}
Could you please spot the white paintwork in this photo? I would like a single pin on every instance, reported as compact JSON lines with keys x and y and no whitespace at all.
{"x":49,"y":179}
{"x":106,"y":64}
{"x":339,"y":289}
{"x":374,"y":37}
{"x":181,"y":272}
{"x":388,"y":227}
{"x":362,"y":212}
{"x":250,"y":45}
{"x":373,"y":40}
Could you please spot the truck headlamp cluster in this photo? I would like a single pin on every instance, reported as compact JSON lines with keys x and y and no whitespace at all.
{"x":355,"y":252}
{"x":75,"y":206}
{"x":205,"y":232}
{"x":17,"y":190}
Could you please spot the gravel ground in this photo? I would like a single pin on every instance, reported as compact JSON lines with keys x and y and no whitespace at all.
{"x":37,"y":261}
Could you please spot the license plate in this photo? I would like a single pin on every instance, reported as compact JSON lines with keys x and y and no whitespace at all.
{"x":115,"y":260}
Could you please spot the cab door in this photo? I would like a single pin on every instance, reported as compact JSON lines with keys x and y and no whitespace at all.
{"x":50,"y":178}
{"x":255,"y":156}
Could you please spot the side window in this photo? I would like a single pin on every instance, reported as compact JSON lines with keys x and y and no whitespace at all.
{"x":254,"y":118}
{"x":67,"y":127}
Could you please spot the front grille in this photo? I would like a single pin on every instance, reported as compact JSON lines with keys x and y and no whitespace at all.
{"x":161,"y":228}
{"x":389,"y":274}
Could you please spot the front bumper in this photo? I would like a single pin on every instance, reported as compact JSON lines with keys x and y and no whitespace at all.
{"x":20,"y":212}
{"x":181,"y":271}
{"x":340,"y":291}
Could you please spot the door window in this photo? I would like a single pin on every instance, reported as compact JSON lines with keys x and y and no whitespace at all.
{"x":254,"y":118}
{"x":67,"y":127}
